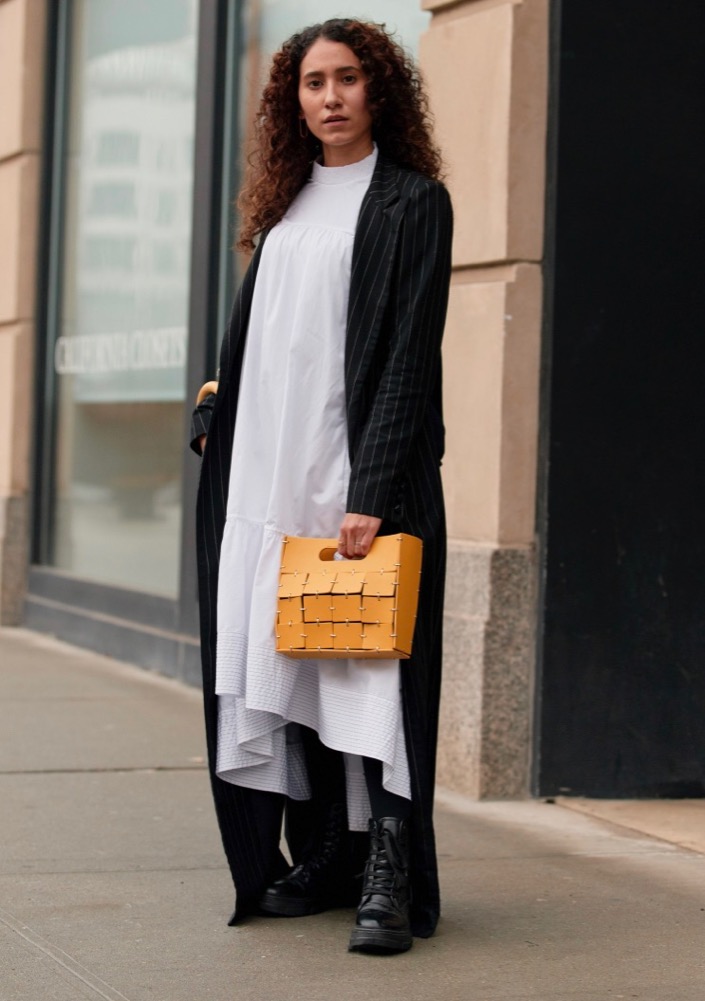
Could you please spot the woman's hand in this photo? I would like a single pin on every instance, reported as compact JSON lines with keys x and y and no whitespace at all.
{"x":356,"y":535}
{"x":202,"y":443}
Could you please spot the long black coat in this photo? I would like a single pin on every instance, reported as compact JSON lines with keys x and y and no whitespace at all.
{"x":397,"y":307}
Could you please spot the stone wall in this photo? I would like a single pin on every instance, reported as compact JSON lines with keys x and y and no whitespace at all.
{"x":486,"y":63}
{"x":21,"y":89}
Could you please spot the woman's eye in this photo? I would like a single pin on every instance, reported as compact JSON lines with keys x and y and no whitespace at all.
{"x":350,"y":78}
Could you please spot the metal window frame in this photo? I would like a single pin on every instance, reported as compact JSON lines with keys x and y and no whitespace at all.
{"x":49,"y":270}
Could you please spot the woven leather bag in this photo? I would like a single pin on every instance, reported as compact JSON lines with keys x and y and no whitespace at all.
{"x":348,"y":608}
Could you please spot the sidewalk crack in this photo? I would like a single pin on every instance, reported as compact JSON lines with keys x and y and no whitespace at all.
{"x":62,"y":959}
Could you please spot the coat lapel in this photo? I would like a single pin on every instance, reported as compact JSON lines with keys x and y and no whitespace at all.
{"x":373,"y":257}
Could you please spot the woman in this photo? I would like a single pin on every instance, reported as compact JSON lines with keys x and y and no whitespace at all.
{"x":331,"y":365}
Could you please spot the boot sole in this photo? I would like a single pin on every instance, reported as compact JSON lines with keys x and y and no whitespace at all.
{"x":292,"y":907}
{"x":380,"y":940}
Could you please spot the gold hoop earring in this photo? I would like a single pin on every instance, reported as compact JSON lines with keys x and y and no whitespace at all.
{"x":303,"y":128}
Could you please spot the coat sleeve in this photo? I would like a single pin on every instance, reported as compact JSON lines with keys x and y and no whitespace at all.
{"x":232,"y":341}
{"x":201,"y":421}
{"x":418,"y":304}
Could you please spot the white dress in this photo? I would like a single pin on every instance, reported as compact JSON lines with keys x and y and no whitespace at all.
{"x":289,"y":475}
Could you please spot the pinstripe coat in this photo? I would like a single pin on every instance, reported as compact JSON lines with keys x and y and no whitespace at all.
{"x":396,"y":314}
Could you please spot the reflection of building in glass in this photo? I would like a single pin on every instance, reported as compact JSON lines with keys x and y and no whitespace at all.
{"x":133,"y":209}
{"x":278,"y":19}
{"x":121,"y":358}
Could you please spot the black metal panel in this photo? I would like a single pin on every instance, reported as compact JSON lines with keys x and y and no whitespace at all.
{"x":623,"y":686}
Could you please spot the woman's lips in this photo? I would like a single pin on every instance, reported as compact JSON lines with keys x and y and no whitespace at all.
{"x":334,"y":120}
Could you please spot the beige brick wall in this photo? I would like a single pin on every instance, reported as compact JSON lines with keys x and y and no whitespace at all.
{"x":486,"y":62}
{"x":22,"y":39}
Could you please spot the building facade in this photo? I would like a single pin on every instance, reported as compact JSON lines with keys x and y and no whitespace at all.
{"x":572,"y":606}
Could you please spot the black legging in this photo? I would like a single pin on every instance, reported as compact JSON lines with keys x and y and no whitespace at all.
{"x":326,"y":771}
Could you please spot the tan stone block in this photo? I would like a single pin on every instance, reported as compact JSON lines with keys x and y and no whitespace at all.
{"x":527,"y":131}
{"x":10,"y":187}
{"x":22,"y":48}
{"x":467,"y":63}
{"x":458,"y":7}
{"x":520,"y":407}
{"x":486,"y":63}
{"x":35,"y":61}
{"x":492,"y":357}
{"x":7,"y":400}
{"x":473,"y":358}
{"x":19,"y":207}
{"x":16,"y":408}
{"x":11,"y":73}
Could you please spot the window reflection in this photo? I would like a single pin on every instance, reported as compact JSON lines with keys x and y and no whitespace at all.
{"x":109,"y":253}
{"x":118,"y":148}
{"x":121,"y":354}
{"x":116,"y":199}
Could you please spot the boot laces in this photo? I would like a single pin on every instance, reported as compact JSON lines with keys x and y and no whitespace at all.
{"x":382,"y":866}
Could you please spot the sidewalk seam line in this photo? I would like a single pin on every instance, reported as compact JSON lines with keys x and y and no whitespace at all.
{"x":127,"y":770}
{"x":61,"y":958}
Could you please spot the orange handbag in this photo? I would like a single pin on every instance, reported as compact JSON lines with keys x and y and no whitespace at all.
{"x":332,"y":608}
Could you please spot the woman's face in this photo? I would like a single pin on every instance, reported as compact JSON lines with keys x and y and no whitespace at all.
{"x":333,"y":100}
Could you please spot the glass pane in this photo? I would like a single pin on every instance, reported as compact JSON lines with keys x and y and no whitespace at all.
{"x":121,"y":352}
{"x":278,"y":19}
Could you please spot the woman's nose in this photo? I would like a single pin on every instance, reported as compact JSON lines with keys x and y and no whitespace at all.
{"x":332,"y":98}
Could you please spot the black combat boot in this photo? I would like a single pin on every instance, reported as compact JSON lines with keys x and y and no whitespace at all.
{"x":324,"y":879}
{"x":383,"y":923}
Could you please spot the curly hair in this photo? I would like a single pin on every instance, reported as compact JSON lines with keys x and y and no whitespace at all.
{"x":281,"y":161}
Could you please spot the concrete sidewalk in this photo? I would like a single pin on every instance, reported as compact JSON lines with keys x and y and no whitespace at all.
{"x":113,"y":884}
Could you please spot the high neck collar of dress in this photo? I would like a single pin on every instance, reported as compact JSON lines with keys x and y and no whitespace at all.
{"x":359,"y":171}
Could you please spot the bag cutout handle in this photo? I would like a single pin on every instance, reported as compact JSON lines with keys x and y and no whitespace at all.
{"x":327,"y":555}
